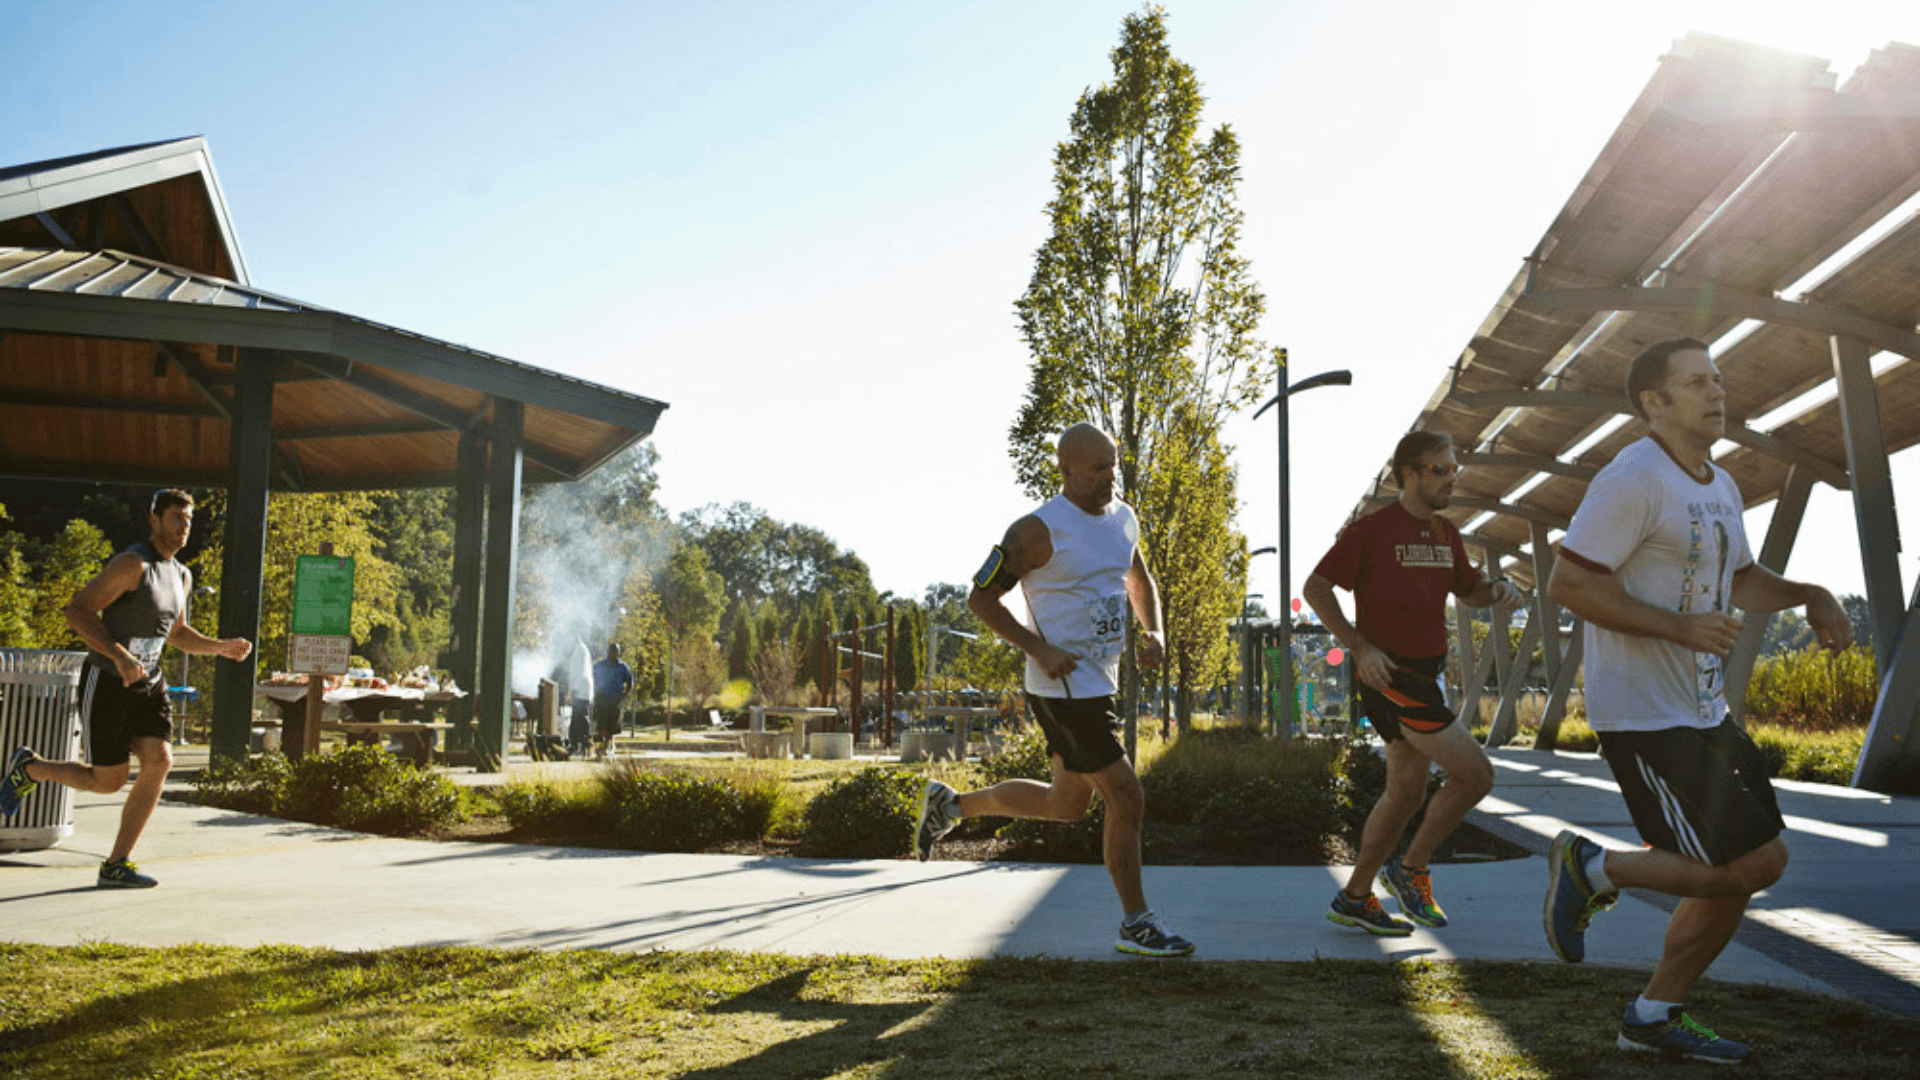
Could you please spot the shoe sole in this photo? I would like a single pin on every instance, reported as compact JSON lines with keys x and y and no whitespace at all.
{"x":125,"y":884}
{"x":919,"y":829}
{"x":1556,"y":860}
{"x":1142,"y":950}
{"x":1376,"y":931}
{"x":1620,"y":1040}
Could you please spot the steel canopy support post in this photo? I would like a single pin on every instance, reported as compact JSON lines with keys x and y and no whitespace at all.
{"x":1782,"y":530}
{"x":1545,"y":611}
{"x":1872,"y":494}
{"x":1506,"y":719}
{"x":249,"y":456}
{"x":1556,"y":710}
{"x":1890,"y":738}
{"x":495,"y":699}
{"x":469,"y":540}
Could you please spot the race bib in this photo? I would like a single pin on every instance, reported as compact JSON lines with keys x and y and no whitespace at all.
{"x":1709,"y":683}
{"x":147,"y":651}
{"x":1107,"y":626}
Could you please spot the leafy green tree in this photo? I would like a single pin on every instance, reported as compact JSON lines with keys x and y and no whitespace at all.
{"x":63,"y":568}
{"x":909,"y":646}
{"x":741,"y":647}
{"x":297,"y":524}
{"x":16,"y":593}
{"x":764,"y":560}
{"x":1141,"y":313}
{"x":1200,"y":561}
{"x":692,"y":596}
{"x":415,"y":532}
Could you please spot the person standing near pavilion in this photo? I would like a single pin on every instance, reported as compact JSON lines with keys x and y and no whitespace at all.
{"x":612,"y":682}
{"x":1656,"y":562}
{"x":1401,"y":562}
{"x":127,"y":615}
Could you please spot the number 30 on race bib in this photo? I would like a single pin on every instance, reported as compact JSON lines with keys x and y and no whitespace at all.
{"x":1107,"y":617}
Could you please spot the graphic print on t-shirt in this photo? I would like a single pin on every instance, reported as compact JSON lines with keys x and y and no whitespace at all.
{"x":1712,"y":593}
{"x":1424,"y":556}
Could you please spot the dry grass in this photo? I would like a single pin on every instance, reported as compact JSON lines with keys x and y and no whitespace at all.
{"x":96,"y":1011}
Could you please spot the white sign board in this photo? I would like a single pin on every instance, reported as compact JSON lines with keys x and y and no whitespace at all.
{"x":319,"y":654}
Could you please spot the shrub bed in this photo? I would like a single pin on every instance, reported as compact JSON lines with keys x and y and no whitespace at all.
{"x":353,"y":787}
{"x":869,"y":814}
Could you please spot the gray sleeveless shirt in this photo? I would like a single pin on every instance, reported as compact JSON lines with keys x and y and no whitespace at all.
{"x":142,"y":617}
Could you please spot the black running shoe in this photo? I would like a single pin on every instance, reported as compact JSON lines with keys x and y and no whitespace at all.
{"x":1148,"y":936}
{"x":939,"y":813}
{"x":121,"y":874}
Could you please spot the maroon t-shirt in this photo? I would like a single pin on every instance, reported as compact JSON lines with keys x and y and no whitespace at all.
{"x":1400,"y":570}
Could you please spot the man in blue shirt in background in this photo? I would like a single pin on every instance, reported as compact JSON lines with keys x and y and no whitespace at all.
{"x":612,"y":681}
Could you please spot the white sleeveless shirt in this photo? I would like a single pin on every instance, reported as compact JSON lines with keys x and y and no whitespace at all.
{"x":1078,"y":600}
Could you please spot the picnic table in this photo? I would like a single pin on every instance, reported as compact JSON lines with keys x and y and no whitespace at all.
{"x":417,"y":729}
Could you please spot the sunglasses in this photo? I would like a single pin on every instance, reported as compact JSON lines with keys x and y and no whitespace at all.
{"x":1440,"y":471}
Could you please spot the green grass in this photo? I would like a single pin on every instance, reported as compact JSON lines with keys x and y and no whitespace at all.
{"x":94,"y":1011}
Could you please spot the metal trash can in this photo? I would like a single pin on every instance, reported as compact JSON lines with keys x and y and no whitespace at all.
{"x":40,"y":707}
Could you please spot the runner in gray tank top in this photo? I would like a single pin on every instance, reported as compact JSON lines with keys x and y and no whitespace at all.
{"x":127,"y":615}
{"x":1077,"y":562}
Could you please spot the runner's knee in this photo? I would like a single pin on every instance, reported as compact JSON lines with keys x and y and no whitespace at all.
{"x":108,"y":779}
{"x":1758,"y":869}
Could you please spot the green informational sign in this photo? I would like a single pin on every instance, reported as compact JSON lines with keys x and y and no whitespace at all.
{"x":323,"y":594}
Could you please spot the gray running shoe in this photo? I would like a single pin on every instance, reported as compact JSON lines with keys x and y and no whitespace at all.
{"x":1148,"y":936}
{"x":1366,"y":915}
{"x":1679,"y":1035}
{"x":939,"y":813}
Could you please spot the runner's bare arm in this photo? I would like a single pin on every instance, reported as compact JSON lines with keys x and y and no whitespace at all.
{"x":120,"y":576}
{"x":1027,"y":546}
{"x":1601,"y":599}
{"x":1144,"y":593}
{"x":1760,"y":590}
{"x":1368,"y":659}
{"x":189,"y":640}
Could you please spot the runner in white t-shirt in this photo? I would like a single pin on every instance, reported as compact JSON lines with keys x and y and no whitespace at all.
{"x":1656,"y":561}
{"x":1077,"y":562}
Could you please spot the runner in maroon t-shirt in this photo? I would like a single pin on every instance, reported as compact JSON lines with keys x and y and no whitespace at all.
{"x":1400,"y":563}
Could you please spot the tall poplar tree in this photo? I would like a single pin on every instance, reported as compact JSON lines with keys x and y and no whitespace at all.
{"x":1141,"y":316}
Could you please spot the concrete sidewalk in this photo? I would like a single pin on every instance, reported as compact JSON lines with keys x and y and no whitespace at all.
{"x":237,"y":879}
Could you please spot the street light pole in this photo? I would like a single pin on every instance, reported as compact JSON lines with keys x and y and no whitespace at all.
{"x":1283,"y":721}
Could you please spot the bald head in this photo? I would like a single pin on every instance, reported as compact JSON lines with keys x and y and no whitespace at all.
{"x":1081,"y":438}
{"x":1088,"y":458}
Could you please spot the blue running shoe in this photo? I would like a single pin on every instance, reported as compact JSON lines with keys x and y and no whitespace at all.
{"x":1679,"y":1035}
{"x":1148,"y":936}
{"x":16,"y":785}
{"x":1572,"y":901}
{"x":121,"y":874}
{"x":1366,"y":915}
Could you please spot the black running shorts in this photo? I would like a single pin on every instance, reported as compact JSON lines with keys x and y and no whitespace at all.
{"x":112,"y":716}
{"x":1084,"y":733}
{"x":1413,"y":701}
{"x":1705,"y":793}
{"x":606,"y":717}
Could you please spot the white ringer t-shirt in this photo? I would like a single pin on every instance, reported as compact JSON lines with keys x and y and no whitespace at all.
{"x":1673,"y":541}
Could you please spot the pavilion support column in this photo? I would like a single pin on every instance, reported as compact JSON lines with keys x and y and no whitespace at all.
{"x":249,"y":454}
{"x":1782,"y":530}
{"x":1548,"y":737}
{"x":469,"y":539}
{"x":1506,"y":719}
{"x":1463,"y":649}
{"x":494,"y":705}
{"x":1545,"y":611}
{"x":1872,"y":483}
{"x":1889,"y":754}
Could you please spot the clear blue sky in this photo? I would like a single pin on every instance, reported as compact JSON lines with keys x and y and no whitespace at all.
{"x":804,"y":224}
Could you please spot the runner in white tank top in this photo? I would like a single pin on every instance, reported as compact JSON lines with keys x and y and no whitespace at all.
{"x":1077,"y":561}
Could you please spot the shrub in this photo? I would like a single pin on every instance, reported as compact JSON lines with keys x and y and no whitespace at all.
{"x":1823,"y":757}
{"x":1022,"y":757}
{"x":867,"y":814}
{"x":365,"y":788}
{"x":1814,"y":690}
{"x":252,"y":786}
{"x":1268,"y":810}
{"x":673,"y":811}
